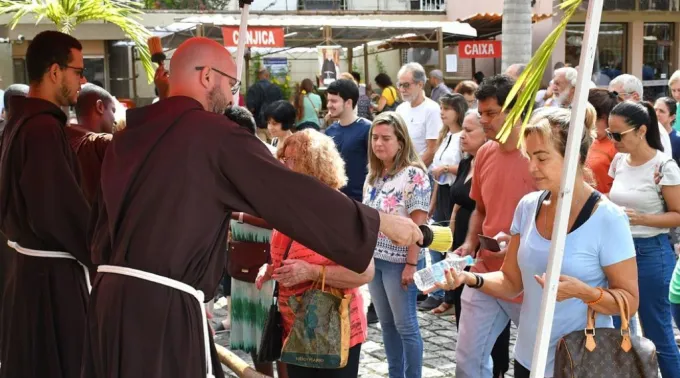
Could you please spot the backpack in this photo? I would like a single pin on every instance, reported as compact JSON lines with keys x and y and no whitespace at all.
{"x":395,"y":104}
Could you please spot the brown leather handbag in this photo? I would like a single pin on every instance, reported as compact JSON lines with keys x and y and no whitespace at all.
{"x":245,"y":259}
{"x":606,"y":352}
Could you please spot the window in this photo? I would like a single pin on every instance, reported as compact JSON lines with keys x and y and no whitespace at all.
{"x":660,"y":5}
{"x":95,"y":70}
{"x":656,"y":60}
{"x":611,"y":50}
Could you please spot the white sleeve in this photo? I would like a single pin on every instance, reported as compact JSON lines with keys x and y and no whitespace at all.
{"x":671,"y":174}
{"x":666,"y":141}
{"x":433,"y":124}
{"x":615,"y":163}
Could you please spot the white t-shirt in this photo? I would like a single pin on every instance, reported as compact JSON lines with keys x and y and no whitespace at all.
{"x":448,"y":153}
{"x":665,"y":141}
{"x":423,"y":122}
{"x":635,"y":188}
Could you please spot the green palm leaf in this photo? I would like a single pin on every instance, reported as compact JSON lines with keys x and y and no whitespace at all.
{"x":67,"y":14}
{"x":528,"y":83}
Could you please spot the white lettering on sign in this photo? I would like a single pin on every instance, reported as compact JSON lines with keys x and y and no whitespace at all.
{"x":479,"y":49}
{"x":257,"y":37}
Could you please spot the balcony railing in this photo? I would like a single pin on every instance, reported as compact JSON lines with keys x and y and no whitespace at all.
{"x":373,"y":5}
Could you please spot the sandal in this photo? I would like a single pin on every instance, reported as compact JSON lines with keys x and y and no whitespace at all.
{"x":444,"y":309}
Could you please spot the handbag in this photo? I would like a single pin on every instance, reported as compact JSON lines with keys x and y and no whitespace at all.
{"x":244,"y":259}
{"x":606,"y":352}
{"x":321,"y":332}
{"x":271,"y":341}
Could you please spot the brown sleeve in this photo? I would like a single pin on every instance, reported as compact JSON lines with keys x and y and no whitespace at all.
{"x":55,"y":203}
{"x":101,"y":143}
{"x":300,"y":206}
{"x":251,"y":220}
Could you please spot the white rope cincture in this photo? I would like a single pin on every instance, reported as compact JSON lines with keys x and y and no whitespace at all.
{"x":51,"y":255}
{"x":169,"y":282}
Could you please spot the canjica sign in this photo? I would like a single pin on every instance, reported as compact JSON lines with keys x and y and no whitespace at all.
{"x":257,"y":37}
{"x":479,"y":49}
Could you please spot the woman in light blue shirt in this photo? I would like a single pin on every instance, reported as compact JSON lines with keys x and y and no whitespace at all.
{"x":599,"y":251}
{"x":308,"y":106}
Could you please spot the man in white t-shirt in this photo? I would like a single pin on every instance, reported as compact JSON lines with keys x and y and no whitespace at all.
{"x":630,"y":87}
{"x":422,"y":115}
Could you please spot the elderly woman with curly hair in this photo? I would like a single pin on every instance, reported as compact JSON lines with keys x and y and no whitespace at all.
{"x":314,"y":154}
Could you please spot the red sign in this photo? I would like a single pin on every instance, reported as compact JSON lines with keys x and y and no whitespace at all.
{"x":479,"y":49}
{"x":257,"y":37}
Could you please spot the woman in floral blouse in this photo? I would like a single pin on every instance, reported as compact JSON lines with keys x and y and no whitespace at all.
{"x":397,"y":183}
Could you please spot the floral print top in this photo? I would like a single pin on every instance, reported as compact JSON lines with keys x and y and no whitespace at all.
{"x":407,"y":191}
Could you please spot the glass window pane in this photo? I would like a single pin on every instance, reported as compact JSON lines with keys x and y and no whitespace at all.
{"x":610,"y":59}
{"x":660,"y":5}
{"x":94,"y":71}
{"x":656,"y":69}
{"x":614,"y":5}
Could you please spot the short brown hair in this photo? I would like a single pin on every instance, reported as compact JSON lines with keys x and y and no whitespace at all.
{"x":467,"y":87}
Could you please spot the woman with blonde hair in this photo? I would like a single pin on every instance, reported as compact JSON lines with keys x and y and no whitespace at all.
{"x":314,"y":154}
{"x":599,"y":253}
{"x":397,"y":183}
{"x":674,"y":86}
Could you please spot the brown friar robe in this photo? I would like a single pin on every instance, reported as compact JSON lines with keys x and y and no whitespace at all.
{"x":90,"y":148}
{"x":42,"y":208}
{"x":170,"y":181}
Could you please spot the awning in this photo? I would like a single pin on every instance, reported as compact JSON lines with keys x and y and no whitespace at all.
{"x":347,"y":31}
{"x":491,"y":24}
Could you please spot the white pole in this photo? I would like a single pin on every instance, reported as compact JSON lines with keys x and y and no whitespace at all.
{"x":240,"y":52}
{"x":559,"y":235}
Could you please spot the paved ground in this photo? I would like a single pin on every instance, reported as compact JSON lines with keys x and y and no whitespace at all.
{"x":439,"y":336}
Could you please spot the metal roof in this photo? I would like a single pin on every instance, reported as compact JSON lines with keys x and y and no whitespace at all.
{"x":490,"y":24}
{"x":348,"y":31}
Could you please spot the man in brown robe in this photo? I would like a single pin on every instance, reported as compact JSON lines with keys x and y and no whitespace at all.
{"x":95,"y":112}
{"x":7,"y":253}
{"x":170,"y":181}
{"x":43,"y":210}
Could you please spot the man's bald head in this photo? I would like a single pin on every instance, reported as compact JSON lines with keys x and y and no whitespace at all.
{"x":95,"y":109}
{"x":13,"y":90}
{"x":204,"y":70}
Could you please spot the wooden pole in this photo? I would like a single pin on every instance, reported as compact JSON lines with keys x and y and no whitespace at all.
{"x":242,"y":38}
{"x":559,"y":235}
{"x":367,"y":79}
{"x":236,"y":364}
{"x":350,"y":58}
{"x":440,"y":46}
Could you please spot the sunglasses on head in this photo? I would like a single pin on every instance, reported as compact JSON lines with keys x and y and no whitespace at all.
{"x":617,"y":136}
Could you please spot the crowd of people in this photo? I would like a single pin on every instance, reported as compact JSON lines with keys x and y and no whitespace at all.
{"x":109,"y":230}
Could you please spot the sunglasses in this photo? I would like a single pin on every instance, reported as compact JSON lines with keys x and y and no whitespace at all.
{"x":617,"y":136}
{"x":234,"y":87}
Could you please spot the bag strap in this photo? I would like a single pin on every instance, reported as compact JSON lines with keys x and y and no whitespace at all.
{"x":313,"y":106}
{"x":624,"y":308}
{"x":285,"y":256}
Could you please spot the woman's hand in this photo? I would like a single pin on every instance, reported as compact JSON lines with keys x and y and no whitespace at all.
{"x":453,"y":281}
{"x":407,"y":275}
{"x":437,"y":172}
{"x":568,"y":287}
{"x":294,"y":272}
{"x":635,"y":218}
{"x":264,"y":275}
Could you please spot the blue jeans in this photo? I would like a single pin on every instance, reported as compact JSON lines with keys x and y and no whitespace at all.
{"x":436,"y":257}
{"x":655,"y":261}
{"x":396,"y":309}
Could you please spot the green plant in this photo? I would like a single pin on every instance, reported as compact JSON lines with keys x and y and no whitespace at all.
{"x":379,"y":63}
{"x":67,"y":14}
{"x":200,"y":5}
{"x":355,"y":67}
{"x":528,"y":83}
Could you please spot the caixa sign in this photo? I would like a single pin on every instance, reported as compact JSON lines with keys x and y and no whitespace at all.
{"x":479,"y":49}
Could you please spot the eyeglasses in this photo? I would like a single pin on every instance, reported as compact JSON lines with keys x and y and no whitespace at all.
{"x":404,"y":85}
{"x":235,"y":87}
{"x":80,"y":71}
{"x":617,"y":136}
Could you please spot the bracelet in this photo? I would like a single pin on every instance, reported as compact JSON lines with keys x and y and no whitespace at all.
{"x":479,"y":281}
{"x":408,"y":263}
{"x":599,"y":299}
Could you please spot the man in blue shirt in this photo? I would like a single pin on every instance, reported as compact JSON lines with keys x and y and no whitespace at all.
{"x":350,"y":134}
